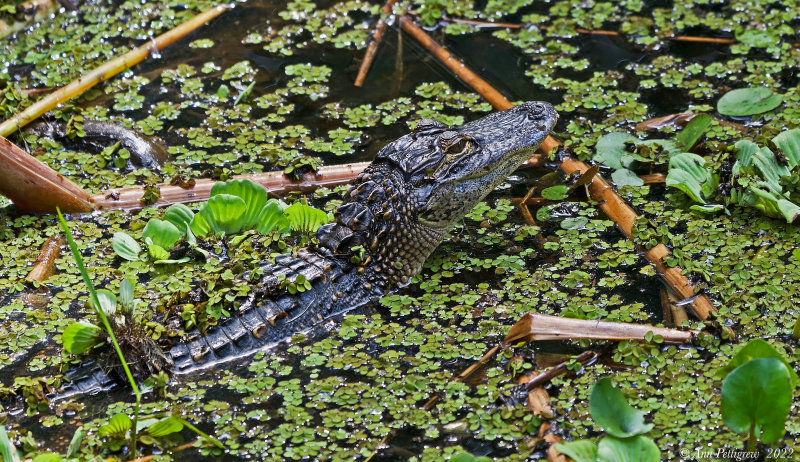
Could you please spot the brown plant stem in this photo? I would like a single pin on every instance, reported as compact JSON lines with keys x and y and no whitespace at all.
{"x":600,"y":191}
{"x":534,"y":380}
{"x":107,"y":70}
{"x":43,"y":267}
{"x":372,"y":49}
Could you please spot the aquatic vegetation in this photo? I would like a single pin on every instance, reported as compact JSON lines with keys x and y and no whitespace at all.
{"x":748,"y":101}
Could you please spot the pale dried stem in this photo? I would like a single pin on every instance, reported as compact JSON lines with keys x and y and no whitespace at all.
{"x":372,"y":49}
{"x":43,"y":267}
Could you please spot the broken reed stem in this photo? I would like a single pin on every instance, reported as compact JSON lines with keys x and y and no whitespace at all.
{"x":465,"y":374}
{"x":533,"y":381}
{"x":505,"y":25}
{"x":107,"y":70}
{"x":600,"y":191}
{"x":372,"y":49}
{"x":43,"y":267}
{"x":32,"y":11}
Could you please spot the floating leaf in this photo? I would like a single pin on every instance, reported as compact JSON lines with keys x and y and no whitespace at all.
{"x":81,"y":336}
{"x":180,"y":216}
{"x":758,"y":395}
{"x":686,"y":173}
{"x":163,"y":233}
{"x":579,"y":451}
{"x":222,"y":214}
{"x":636,"y":449}
{"x":125,"y":246}
{"x":748,"y":101}
{"x":304,"y":218}
{"x":708,"y":208}
{"x":692,"y":132}
{"x":165,"y":427}
{"x":555,"y":193}
{"x":612,"y":412}
{"x":612,"y":150}
{"x":47,"y":457}
{"x":625,"y":177}
{"x":254,"y":196}
{"x":272,"y":218}
{"x":756,"y":348}
{"x":574,"y":222}
{"x":757,"y":38}
{"x":117,"y":426}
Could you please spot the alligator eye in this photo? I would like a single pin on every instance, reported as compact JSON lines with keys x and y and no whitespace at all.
{"x":456,"y":146}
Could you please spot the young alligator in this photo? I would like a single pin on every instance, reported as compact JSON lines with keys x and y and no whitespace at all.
{"x":398,"y":209}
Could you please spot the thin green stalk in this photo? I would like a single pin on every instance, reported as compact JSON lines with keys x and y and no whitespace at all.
{"x":96,"y":303}
{"x":191,"y":427}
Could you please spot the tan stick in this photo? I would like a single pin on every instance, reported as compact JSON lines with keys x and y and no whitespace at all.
{"x":377,"y":35}
{"x":35,"y":187}
{"x":536,"y":327}
{"x":505,"y":25}
{"x":534,"y":380}
{"x":599,"y":189}
{"x":107,"y":70}
{"x":32,"y":11}
{"x":43,"y":267}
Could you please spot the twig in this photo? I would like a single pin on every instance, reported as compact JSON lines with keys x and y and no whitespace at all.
{"x":532,"y":381}
{"x":35,"y":187}
{"x":580,"y":30}
{"x":599,"y":189}
{"x":43,"y":267}
{"x":107,"y":70}
{"x":377,"y":35}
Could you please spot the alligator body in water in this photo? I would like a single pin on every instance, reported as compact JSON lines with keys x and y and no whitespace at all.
{"x":398,"y":210}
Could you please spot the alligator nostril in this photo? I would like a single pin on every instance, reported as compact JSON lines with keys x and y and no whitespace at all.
{"x":535,"y":110}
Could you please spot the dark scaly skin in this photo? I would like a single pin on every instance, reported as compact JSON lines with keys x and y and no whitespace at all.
{"x":398,"y":209}
{"x":145,"y":153}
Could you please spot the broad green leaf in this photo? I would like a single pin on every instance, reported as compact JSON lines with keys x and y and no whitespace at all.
{"x":692,"y":132}
{"x":748,"y":101}
{"x":254,"y":196}
{"x":612,"y":412}
{"x":272,"y":218}
{"x":686,"y":172}
{"x":555,"y":193}
{"x":157,"y":253}
{"x":117,"y":426}
{"x":304,"y":218}
{"x":79,"y":337}
{"x":125,"y":246}
{"x":169,"y":261}
{"x":574,"y":222}
{"x":47,"y":457}
{"x":756,"y":348}
{"x":758,"y":393}
{"x":708,"y":208}
{"x":180,"y":216}
{"x":625,"y":177}
{"x":126,"y":289}
{"x":757,"y":38}
{"x":789,"y":143}
{"x":222,"y":214}
{"x":789,"y":210}
{"x":7,"y":448}
{"x":108,"y":302}
{"x":75,"y":442}
{"x":163,"y":233}
{"x":165,"y":427}
{"x":579,"y":451}
{"x":636,"y":449}
{"x":611,"y":150}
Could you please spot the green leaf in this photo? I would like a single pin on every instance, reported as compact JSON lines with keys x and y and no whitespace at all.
{"x":180,"y":216}
{"x":636,"y":449}
{"x":254,"y":196}
{"x":708,"y":208}
{"x":555,"y":193}
{"x":579,"y":451}
{"x":157,"y":253}
{"x":304,"y":218}
{"x":612,"y":412}
{"x":7,"y":449}
{"x":756,"y":348}
{"x":126,"y":289}
{"x":611,"y":150}
{"x":79,"y":337}
{"x":272,"y":218}
{"x":625,"y":177}
{"x":692,"y":132}
{"x":163,"y":233}
{"x":125,"y":246}
{"x":748,"y":101}
{"x":789,"y":143}
{"x":222,"y":214}
{"x":75,"y":442}
{"x":574,"y":222}
{"x":165,"y":427}
{"x":758,"y":394}
{"x":47,"y":457}
{"x":117,"y":426}
{"x":108,"y":302}
{"x":686,"y":173}
{"x":757,"y":38}
{"x":467,"y":457}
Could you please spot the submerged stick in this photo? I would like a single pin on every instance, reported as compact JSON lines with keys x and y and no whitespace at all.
{"x":107,"y":70}
{"x":600,"y":191}
{"x":43,"y":267}
{"x":377,"y":35}
{"x":536,"y":327}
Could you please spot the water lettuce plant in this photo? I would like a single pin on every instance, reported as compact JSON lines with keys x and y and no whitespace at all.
{"x":624,"y":427}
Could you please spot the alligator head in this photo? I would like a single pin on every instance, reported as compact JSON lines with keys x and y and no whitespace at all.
{"x":401,"y":206}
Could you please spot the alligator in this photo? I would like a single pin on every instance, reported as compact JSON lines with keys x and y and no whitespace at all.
{"x":397,"y":211}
